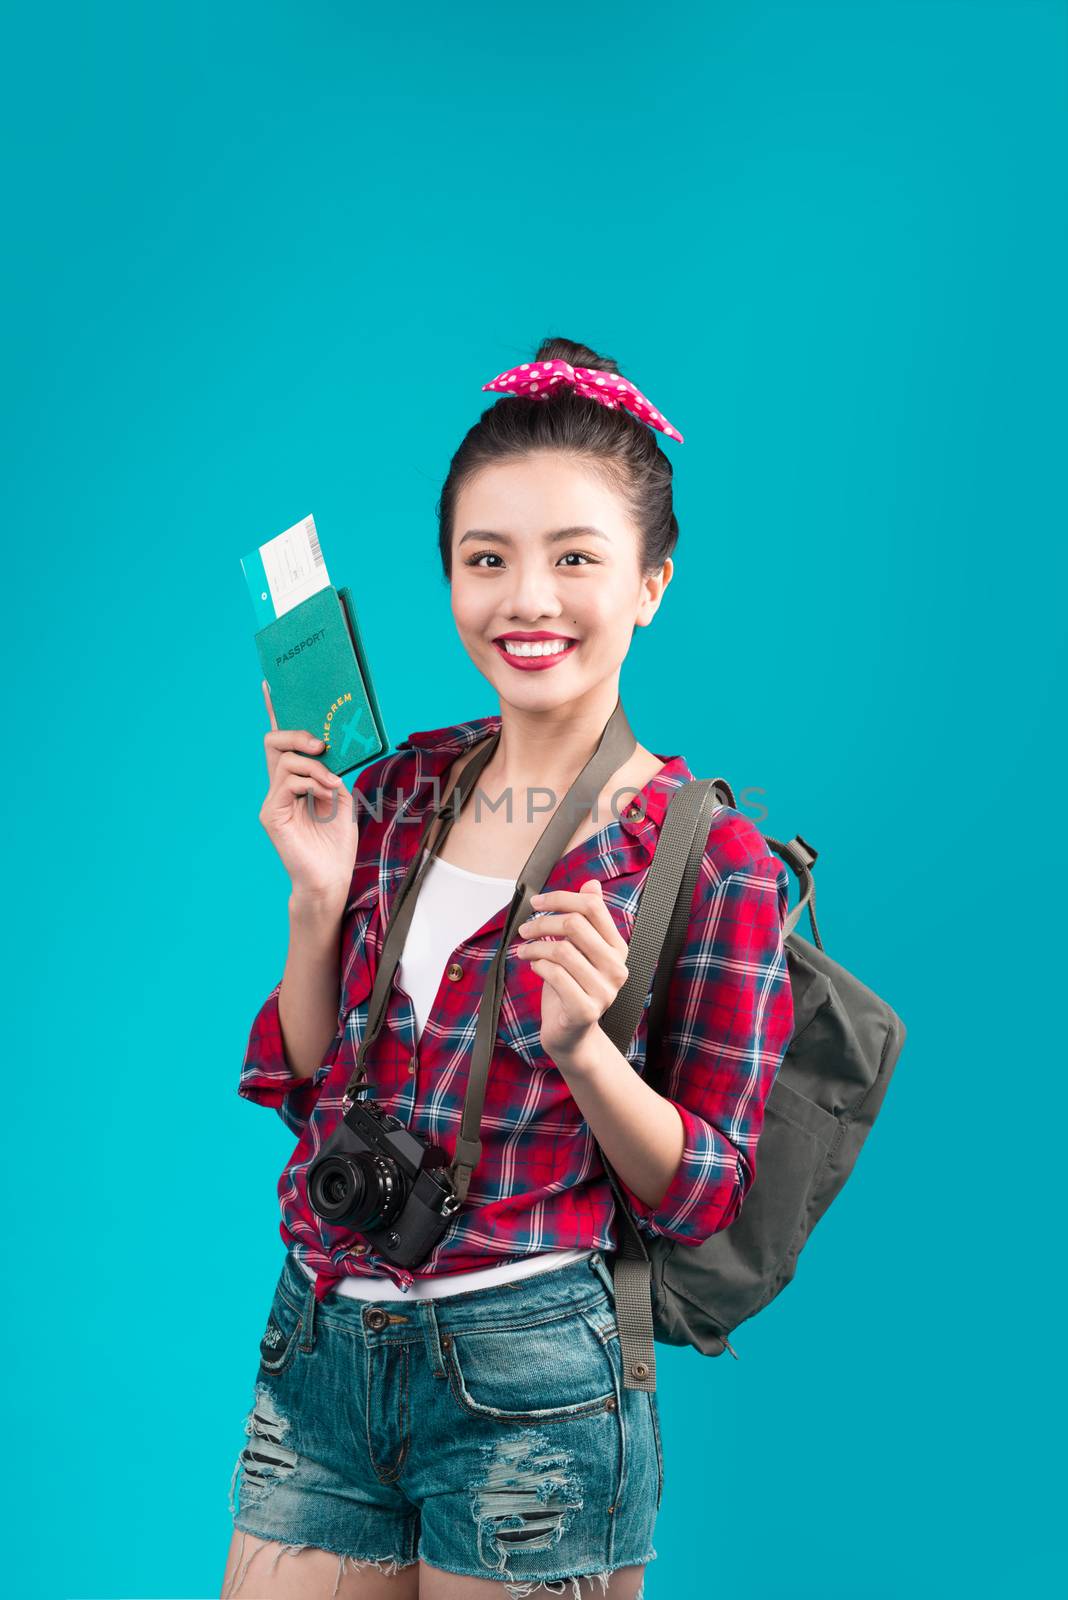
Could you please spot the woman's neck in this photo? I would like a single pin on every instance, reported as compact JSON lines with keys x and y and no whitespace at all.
{"x":548,"y":749}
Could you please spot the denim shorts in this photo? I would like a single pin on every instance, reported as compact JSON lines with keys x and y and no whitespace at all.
{"x":488,"y":1432}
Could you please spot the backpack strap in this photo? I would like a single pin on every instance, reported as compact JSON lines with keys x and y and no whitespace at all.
{"x":680,"y":921}
{"x":675,"y":864}
{"x":657,"y":937}
{"x":799,"y":855}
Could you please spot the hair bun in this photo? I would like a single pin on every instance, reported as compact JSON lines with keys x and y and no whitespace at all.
{"x":577,"y":355}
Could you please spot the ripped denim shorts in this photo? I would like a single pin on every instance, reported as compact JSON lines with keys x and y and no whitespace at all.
{"x":487,"y":1433}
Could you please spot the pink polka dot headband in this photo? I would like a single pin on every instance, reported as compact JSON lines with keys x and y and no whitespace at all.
{"x":536,"y":379}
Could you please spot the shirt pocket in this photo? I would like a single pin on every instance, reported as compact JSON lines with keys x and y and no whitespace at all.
{"x":519,"y":1026}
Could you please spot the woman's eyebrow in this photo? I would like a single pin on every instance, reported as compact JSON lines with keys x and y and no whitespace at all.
{"x":550,"y":538}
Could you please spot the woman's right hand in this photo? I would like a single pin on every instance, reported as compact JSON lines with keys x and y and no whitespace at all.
{"x":318,"y":851}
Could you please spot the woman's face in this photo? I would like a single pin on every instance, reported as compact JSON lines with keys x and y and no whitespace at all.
{"x":516,"y":571}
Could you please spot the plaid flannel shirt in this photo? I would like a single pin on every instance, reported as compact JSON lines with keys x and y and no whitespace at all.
{"x":540,"y":1183}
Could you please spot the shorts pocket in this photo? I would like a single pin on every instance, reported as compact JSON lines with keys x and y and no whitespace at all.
{"x":281,"y":1335}
{"x":553,"y":1370}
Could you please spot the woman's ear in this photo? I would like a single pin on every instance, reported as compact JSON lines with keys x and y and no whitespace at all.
{"x":653,"y":588}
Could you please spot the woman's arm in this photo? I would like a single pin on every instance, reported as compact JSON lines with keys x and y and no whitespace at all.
{"x":686,"y":1156}
{"x":296,"y":1034}
{"x":640,"y":1132}
{"x":308,"y":996}
{"x":294,"y":1038}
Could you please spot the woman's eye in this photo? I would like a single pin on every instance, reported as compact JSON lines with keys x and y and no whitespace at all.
{"x":475,"y":560}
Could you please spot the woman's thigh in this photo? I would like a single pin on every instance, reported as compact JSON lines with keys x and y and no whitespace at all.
{"x":264,"y":1569}
{"x":316,"y":1577}
{"x":624,"y":1584}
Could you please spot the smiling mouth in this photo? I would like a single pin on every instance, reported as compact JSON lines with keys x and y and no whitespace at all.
{"x":542,"y":653}
{"x":535,"y":646}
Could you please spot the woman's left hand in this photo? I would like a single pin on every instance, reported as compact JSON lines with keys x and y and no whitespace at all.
{"x":580,"y":953}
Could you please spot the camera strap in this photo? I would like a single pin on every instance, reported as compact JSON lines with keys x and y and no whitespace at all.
{"x":616,"y":744}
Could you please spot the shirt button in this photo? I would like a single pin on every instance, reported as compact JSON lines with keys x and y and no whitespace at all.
{"x":454,"y":971}
{"x":358,"y":1250}
{"x":633,"y":811}
{"x":413,"y":1064}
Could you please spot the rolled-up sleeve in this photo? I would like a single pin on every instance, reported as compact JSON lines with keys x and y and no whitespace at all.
{"x":728,"y":1023}
{"x":266,"y":1076}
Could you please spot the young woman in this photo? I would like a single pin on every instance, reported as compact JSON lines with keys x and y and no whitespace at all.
{"x":463,"y":1428}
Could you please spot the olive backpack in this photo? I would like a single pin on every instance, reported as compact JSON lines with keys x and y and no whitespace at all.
{"x":823,"y":1101}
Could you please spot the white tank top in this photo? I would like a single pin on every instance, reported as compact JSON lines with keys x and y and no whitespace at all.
{"x":452,"y":904}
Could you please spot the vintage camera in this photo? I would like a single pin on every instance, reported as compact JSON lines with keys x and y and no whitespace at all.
{"x":375,"y":1176}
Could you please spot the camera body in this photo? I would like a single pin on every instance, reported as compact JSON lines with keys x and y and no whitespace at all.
{"x":378,"y":1178}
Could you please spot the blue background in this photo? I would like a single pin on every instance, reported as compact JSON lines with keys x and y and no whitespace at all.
{"x":260,"y":261}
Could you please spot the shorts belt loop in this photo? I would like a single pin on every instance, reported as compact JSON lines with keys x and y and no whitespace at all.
{"x":431,"y":1336}
{"x":307,"y":1338}
{"x":598,"y":1265}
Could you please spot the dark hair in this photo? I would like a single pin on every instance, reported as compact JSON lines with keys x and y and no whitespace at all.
{"x":613,"y":442}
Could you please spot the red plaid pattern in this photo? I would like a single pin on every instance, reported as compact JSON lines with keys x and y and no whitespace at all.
{"x":540,"y":1184}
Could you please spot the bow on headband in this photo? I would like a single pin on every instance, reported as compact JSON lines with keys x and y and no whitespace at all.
{"x":537,"y":378}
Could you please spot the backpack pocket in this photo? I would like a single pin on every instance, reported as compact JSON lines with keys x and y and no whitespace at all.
{"x":705,"y":1291}
{"x":795,"y":1143}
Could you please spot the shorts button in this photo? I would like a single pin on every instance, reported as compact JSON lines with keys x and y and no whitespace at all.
{"x":375,"y":1318}
{"x":610,"y":1403}
{"x":454,"y":971}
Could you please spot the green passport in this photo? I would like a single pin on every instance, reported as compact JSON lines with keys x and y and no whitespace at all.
{"x":316,"y":669}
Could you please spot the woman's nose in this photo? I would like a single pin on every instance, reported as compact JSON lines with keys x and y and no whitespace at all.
{"x":533,"y":601}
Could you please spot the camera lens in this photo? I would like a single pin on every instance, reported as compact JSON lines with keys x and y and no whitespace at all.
{"x":335,"y":1190}
{"x":357,"y":1191}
